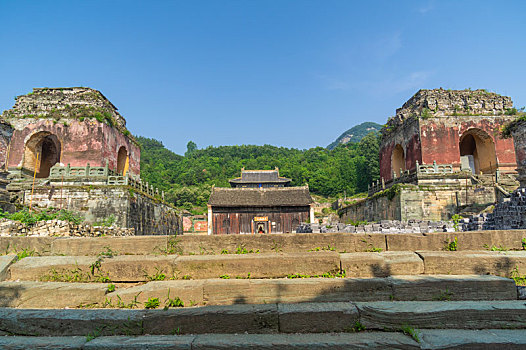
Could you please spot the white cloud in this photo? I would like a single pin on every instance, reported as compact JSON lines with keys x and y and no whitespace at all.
{"x":427,"y":7}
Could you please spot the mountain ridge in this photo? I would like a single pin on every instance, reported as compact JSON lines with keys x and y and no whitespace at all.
{"x":356,"y":133}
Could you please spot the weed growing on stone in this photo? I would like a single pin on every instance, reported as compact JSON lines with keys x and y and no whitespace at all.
{"x":108,"y":253}
{"x":451,"y":245}
{"x":356,"y":327}
{"x":224,"y":251}
{"x":225,"y":277}
{"x":172,"y":246}
{"x":276,"y":247}
{"x":323,"y":275}
{"x":193,"y":303}
{"x":111,"y":288}
{"x":24,"y":253}
{"x":157,"y":276}
{"x":242,"y":250}
{"x":187,"y":277}
{"x":175,"y":302}
{"x":106,"y":222}
{"x":411,"y":332}
{"x":371,"y":247}
{"x":444,"y":296}
{"x":516,"y":276}
{"x":524,"y":244}
{"x":317,"y":249}
{"x":152,"y":303}
{"x":95,"y":334}
{"x":456,"y":220}
{"x":494,"y":248}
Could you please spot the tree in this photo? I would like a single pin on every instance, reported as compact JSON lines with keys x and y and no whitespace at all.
{"x":191,"y":147}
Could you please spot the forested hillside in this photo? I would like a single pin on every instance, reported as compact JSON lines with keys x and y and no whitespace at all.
{"x":187,"y":179}
{"x":356,"y":133}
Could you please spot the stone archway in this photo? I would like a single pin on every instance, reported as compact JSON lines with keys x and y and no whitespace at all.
{"x":398,"y":159}
{"x":479,"y":149}
{"x":122,"y":155}
{"x":47,"y":147}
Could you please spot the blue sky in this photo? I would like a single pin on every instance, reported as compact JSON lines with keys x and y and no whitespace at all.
{"x":286,"y":73}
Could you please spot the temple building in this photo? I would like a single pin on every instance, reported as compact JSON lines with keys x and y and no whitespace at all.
{"x":442,"y":154}
{"x":69,"y":148}
{"x":259,"y":202}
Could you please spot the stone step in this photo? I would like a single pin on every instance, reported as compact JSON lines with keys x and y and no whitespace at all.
{"x":143,"y":268}
{"x":366,"y":340}
{"x":428,"y":339}
{"x":498,"y":263}
{"x":316,"y":317}
{"x":26,"y":294}
{"x":128,"y":268}
{"x":286,"y":243}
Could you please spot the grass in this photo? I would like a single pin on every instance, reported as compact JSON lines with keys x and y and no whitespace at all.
{"x":172,"y":302}
{"x":26,"y":252}
{"x":157,"y":276}
{"x":356,"y":327}
{"x":328,"y":248}
{"x":494,"y":248}
{"x":516,"y":276}
{"x":444,"y":296}
{"x":111,"y":288}
{"x":152,"y":303}
{"x":411,"y":332}
{"x":371,"y":247}
{"x":323,"y":275}
{"x":451,"y":245}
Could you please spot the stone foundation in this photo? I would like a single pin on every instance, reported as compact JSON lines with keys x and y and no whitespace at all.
{"x":432,"y":199}
{"x":60,"y":228}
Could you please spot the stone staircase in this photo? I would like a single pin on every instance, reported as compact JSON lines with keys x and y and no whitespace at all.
{"x":315,"y":291}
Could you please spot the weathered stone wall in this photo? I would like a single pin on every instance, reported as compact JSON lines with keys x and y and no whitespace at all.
{"x":96,"y":203}
{"x":430,"y":124}
{"x":519,"y":140}
{"x":60,"y":228}
{"x":88,"y":127}
{"x":406,"y":135}
{"x":432,"y":202}
{"x":441,"y":138}
{"x":6,"y":131}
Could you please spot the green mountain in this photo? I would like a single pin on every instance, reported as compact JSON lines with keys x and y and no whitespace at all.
{"x":187,"y":179}
{"x":355,"y":134}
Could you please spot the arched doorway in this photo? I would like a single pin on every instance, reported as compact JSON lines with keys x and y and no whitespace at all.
{"x":122,"y":155}
{"x":398,"y":159}
{"x":478,"y":149}
{"x":47,"y":147}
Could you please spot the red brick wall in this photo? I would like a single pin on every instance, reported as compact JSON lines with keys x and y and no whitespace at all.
{"x":441,"y":139}
{"x":83,"y":142}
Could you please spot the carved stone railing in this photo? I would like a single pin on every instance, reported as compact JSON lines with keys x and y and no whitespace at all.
{"x":434,"y":168}
{"x":105,"y":174}
{"x":410,"y":176}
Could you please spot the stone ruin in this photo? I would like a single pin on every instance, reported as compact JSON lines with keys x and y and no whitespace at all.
{"x":76,"y":145}
{"x":510,"y":212}
{"x":384,"y":226}
{"x":440,"y":155}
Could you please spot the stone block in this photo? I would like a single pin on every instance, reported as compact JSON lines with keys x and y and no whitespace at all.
{"x":336,"y":341}
{"x":317,"y":317}
{"x":270,"y":265}
{"x":190,"y":292}
{"x":5,"y":262}
{"x":41,"y":268}
{"x":171,"y":342}
{"x":71,"y":322}
{"x":213,"y":319}
{"x":23,"y":343}
{"x":56,"y":295}
{"x":452,"y":287}
{"x":131,"y":245}
{"x":443,"y":315}
{"x":476,"y":262}
{"x":225,"y":292}
{"x":381,"y":264}
{"x":136,"y":268}
{"x":472,"y":339}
